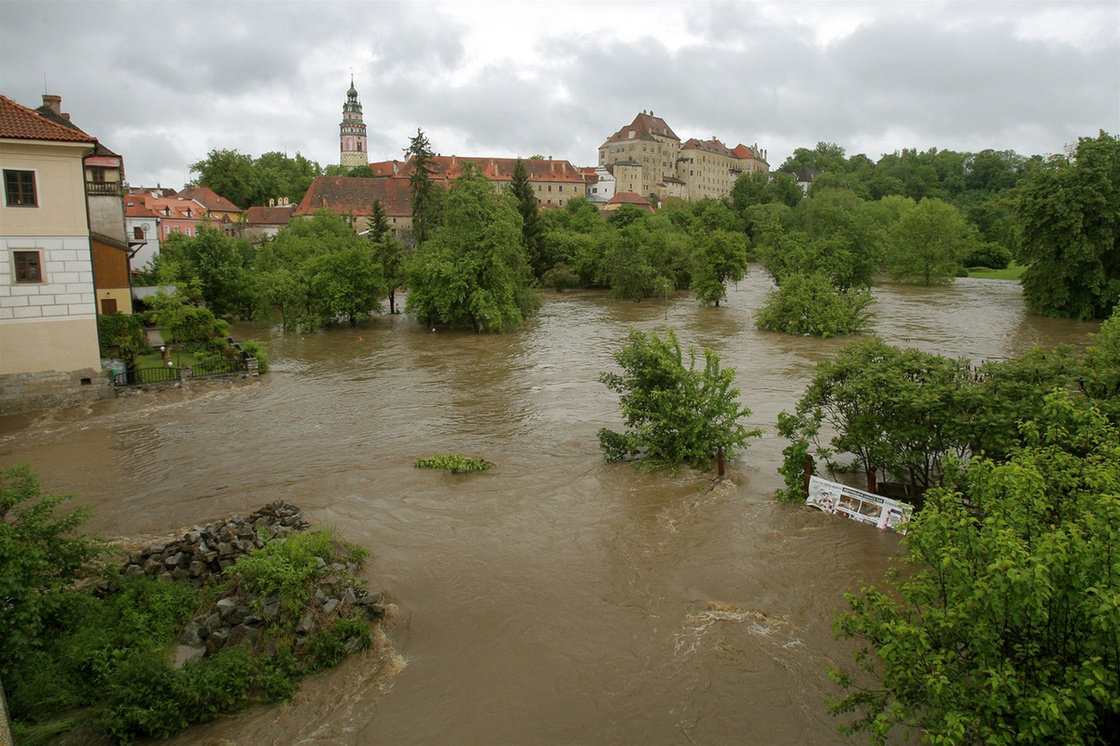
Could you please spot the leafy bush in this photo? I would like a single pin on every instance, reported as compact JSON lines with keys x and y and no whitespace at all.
{"x":560,"y":278}
{"x":990,"y":255}
{"x":1002,"y":628}
{"x":122,"y":336}
{"x":40,"y":556}
{"x":810,"y":305}
{"x":290,"y":566}
{"x":454,"y":463}
{"x":255,"y":348}
{"x":673,"y":414}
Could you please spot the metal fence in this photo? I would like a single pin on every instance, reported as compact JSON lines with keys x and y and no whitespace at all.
{"x":137,"y":376}
{"x":218,"y":367}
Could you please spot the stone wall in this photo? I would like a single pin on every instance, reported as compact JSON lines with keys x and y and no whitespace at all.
{"x":21,"y":392}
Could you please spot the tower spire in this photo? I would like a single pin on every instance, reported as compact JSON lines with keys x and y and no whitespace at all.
{"x":352,"y":131}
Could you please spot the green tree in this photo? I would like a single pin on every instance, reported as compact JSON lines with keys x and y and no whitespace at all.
{"x":426,"y":195}
{"x":387,"y":251}
{"x":121,"y":335}
{"x":673,"y":414}
{"x":41,"y":555}
{"x":473,"y":272}
{"x":216,"y":266}
{"x":1098,"y":375}
{"x":844,"y":240}
{"x":718,"y":255}
{"x":532,"y":231}
{"x":1070,"y":218}
{"x":230,"y":174}
{"x":1003,"y":627}
{"x":317,"y":270}
{"x":810,"y":305}
{"x":929,"y":243}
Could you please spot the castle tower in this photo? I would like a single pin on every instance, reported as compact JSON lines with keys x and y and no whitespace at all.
{"x":352,"y":131}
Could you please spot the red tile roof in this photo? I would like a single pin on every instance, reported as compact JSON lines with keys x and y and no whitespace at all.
{"x":20,"y":123}
{"x":352,"y":195}
{"x":275,"y":215}
{"x":630,"y":198}
{"x":644,"y":127}
{"x":450,"y":167}
{"x":209,"y":199}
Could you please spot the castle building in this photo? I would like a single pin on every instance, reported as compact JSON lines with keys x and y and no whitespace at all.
{"x":647,"y":158}
{"x":352,"y":131}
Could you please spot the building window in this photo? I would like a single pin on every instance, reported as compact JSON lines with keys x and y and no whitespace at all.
{"x":97,"y":175}
{"x":29,"y":267}
{"x":19,"y":188}
{"x":138,"y":233}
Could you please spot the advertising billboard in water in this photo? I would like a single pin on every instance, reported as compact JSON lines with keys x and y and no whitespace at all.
{"x":840,"y":499}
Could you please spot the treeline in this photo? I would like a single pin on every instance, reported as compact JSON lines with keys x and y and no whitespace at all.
{"x":475,"y":255}
{"x":247,"y":181}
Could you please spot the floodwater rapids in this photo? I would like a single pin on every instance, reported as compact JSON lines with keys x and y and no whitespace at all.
{"x":556,"y":599}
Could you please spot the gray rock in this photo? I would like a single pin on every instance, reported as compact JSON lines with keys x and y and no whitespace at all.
{"x":320,"y":596}
{"x":306,"y":623}
{"x":244,"y":634}
{"x":353,"y":645}
{"x":185,"y":654}
{"x":349,"y":596}
{"x":189,"y":635}
{"x":226,"y":606}
{"x":330,"y":606}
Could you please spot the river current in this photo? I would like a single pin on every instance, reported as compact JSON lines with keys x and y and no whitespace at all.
{"x":555,"y":599}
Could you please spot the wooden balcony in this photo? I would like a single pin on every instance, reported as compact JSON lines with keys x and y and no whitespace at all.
{"x":108,"y":188}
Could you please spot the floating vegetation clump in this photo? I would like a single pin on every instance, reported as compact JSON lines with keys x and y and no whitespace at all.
{"x":454,"y":463}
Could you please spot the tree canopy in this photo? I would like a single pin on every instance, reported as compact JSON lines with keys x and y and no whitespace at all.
{"x":1002,"y":629}
{"x":1070,"y":216}
{"x":473,"y":273}
{"x":246,"y":181}
{"x":673,"y":414}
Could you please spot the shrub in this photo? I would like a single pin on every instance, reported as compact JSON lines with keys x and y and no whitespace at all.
{"x":255,"y":348}
{"x":40,"y":556}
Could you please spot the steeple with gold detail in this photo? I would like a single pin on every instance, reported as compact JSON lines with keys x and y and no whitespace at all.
{"x":352,"y":131}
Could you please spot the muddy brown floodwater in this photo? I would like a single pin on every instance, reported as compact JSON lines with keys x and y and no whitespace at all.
{"x":556,"y":599}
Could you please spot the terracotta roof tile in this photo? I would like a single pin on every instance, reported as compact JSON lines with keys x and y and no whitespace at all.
{"x":352,"y":195}
{"x":209,"y":199}
{"x":644,"y":127}
{"x":275,"y":215}
{"x":21,"y":123}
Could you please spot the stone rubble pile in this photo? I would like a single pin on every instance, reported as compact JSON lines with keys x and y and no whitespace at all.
{"x":238,"y":615}
{"x":209,"y":550}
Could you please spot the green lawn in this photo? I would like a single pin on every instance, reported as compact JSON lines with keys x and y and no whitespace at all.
{"x":1013,"y":272}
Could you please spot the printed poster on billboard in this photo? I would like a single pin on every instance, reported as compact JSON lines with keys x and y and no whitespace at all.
{"x":840,"y":499}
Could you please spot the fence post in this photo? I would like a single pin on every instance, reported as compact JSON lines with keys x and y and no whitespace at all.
{"x":185,"y":374}
{"x":808,"y":473}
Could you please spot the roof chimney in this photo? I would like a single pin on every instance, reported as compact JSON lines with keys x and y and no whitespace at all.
{"x":54,"y":103}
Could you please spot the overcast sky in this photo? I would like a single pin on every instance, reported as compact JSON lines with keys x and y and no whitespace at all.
{"x":163,"y":83}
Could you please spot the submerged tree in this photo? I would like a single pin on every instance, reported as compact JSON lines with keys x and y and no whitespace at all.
{"x":674,"y":414}
{"x":473,"y":272}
